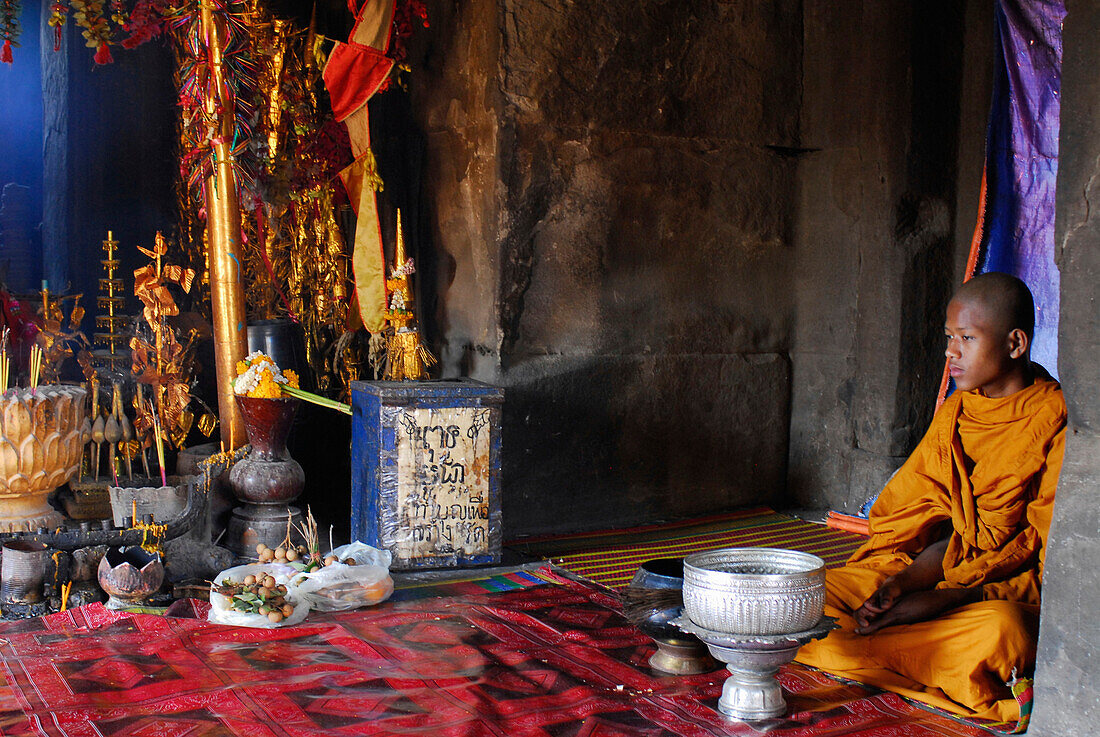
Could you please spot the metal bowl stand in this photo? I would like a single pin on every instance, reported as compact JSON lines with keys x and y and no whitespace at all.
{"x":751,"y":692}
{"x":681,"y":657}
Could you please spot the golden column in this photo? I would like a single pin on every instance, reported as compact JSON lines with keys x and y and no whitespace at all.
{"x":223,"y":236}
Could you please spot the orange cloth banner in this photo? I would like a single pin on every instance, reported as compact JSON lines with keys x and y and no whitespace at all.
{"x":353,"y":73}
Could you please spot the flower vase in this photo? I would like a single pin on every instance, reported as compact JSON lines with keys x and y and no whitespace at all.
{"x":267,"y":479}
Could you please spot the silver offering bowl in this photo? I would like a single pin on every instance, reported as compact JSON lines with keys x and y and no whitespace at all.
{"x":655,"y":597}
{"x":754,"y":607}
{"x":752,"y":693}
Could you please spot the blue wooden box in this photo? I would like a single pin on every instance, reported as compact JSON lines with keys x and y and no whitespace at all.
{"x":425,"y":471}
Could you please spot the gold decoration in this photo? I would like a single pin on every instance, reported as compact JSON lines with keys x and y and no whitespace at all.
{"x":159,"y":359}
{"x":110,"y":321}
{"x":223,"y":214}
{"x":406,"y":356}
{"x":292,"y":256}
{"x":40,"y":449}
{"x":54,"y":341}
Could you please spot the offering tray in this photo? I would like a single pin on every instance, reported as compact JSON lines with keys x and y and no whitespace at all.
{"x":751,"y":692}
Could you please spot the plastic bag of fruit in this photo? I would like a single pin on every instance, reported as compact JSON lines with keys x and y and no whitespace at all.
{"x":351,"y":576}
{"x":256,"y":595}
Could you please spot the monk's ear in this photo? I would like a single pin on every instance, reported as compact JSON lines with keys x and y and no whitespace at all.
{"x":1018,"y":343}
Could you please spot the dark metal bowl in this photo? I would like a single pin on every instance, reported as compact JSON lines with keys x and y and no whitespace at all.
{"x":652,"y":600}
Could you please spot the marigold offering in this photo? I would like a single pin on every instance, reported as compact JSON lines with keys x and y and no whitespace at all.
{"x":259,"y":376}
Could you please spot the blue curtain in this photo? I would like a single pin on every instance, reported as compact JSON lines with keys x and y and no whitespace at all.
{"x":1022,"y":159}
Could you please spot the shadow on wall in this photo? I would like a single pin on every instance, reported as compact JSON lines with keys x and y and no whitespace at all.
{"x":607,"y":441}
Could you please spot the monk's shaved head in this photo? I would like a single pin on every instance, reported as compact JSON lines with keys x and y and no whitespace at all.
{"x":1007,"y":300}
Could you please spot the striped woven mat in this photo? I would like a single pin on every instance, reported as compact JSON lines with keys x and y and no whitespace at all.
{"x":612,"y":557}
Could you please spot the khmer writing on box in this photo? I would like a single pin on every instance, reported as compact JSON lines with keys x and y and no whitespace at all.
{"x":426,"y":471}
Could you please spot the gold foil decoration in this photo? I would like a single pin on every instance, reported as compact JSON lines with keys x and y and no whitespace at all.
{"x":293,"y":260}
{"x":406,"y":356}
{"x":54,"y":340}
{"x":163,"y":364}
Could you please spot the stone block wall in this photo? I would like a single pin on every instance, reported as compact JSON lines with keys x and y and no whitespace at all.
{"x":614,"y":186}
{"x":700,"y":243}
{"x":886,"y":134}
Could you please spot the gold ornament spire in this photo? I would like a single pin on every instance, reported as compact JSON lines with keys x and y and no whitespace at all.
{"x":110,"y":320}
{"x":406,"y":357}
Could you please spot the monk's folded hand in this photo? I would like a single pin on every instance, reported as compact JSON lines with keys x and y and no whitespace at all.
{"x":880,"y":602}
{"x":918,"y":606}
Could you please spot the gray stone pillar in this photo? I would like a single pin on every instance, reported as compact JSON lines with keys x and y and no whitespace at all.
{"x":1067,"y":676}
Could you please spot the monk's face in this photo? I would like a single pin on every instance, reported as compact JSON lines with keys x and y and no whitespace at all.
{"x":981,"y":352}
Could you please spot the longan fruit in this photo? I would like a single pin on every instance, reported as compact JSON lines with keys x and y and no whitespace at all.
{"x":330,"y":560}
{"x":265,"y":609}
{"x":287,"y":610}
{"x":269,"y":582}
{"x":260,"y":548}
{"x":349,"y":561}
{"x":280,"y":552}
{"x":249,"y":580}
{"x":292,"y":555}
{"x":267,"y":556}
{"x":275,"y":617}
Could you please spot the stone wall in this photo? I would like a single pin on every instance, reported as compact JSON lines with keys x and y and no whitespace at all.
{"x":614,"y":185}
{"x":885,"y":134}
{"x":1067,"y":700}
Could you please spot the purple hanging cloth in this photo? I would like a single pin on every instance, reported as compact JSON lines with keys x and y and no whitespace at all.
{"x":1022,"y":159}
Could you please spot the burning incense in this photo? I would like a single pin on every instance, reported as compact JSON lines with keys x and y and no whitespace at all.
{"x":36,"y":364}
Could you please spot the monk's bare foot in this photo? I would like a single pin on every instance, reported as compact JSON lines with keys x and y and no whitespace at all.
{"x":919,"y":607}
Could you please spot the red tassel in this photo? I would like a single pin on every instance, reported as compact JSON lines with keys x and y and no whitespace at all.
{"x":5,"y":54}
{"x":103,"y":55}
{"x":57,"y":38}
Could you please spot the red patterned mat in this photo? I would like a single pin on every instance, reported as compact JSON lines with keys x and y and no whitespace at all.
{"x":555,"y":660}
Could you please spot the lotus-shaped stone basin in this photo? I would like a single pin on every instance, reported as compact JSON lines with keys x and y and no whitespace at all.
{"x":40,"y":449}
{"x":129,"y":575}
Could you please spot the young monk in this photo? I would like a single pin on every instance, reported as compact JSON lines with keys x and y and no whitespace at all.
{"x":941,"y":604}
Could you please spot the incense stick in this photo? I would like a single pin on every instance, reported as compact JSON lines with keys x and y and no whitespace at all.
{"x":66,"y":589}
{"x":5,"y":362}
{"x":36,"y":364}
{"x":160,"y":444}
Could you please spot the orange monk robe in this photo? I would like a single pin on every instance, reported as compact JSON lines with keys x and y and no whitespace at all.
{"x":985,"y":473}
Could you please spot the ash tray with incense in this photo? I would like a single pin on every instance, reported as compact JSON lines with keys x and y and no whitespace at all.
{"x":652,"y":600}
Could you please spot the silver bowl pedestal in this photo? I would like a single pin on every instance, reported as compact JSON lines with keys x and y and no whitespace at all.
{"x":751,"y":692}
